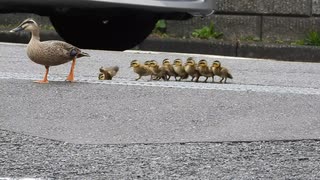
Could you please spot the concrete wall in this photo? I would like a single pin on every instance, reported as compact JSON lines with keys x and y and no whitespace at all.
{"x":268,"y":20}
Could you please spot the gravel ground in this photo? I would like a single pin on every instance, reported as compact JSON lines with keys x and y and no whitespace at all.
{"x":33,"y":157}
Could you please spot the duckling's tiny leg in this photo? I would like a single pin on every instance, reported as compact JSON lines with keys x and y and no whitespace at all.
{"x":206,"y":79}
{"x":192,"y":78}
{"x":213,"y":78}
{"x":164,"y":77}
{"x":197,"y":79}
{"x":71,"y":73}
{"x":221,"y":80}
{"x":45,"y":78}
{"x":225,"y":80}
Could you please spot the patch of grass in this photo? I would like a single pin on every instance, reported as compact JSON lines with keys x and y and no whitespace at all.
{"x":8,"y":26}
{"x":47,"y":27}
{"x":207,"y":32}
{"x":160,"y":27}
{"x":312,"y":39}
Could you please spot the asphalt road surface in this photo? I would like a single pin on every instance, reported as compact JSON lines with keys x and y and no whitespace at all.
{"x":262,"y":124}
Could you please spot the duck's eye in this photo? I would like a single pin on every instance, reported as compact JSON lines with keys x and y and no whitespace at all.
{"x":73,"y":52}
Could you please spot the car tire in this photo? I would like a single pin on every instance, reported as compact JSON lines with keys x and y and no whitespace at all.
{"x":114,"y":33}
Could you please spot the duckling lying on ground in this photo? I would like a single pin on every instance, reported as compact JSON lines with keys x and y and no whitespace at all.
{"x":107,"y":73}
{"x":49,"y":53}
{"x":140,"y":69}
{"x":223,"y":72}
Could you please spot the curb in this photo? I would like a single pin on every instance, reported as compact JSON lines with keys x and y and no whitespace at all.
{"x":250,"y":50}
{"x":213,"y":47}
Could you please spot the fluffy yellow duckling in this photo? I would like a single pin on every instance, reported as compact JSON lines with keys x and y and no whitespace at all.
{"x":223,"y":72}
{"x":178,"y":67}
{"x":191,"y":68}
{"x":158,"y":72}
{"x":147,"y":63}
{"x":167,"y":66}
{"x":140,"y":69}
{"x":204,"y":70}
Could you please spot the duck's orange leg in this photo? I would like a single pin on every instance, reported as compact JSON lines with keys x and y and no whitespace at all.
{"x":71,"y":73}
{"x":45,"y":78}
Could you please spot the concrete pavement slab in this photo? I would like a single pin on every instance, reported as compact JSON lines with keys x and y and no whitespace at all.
{"x":267,"y":100}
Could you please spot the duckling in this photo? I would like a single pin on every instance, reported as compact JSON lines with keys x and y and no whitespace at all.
{"x":108,"y":73}
{"x":158,"y":71}
{"x":204,"y":70}
{"x":147,"y":63}
{"x":167,"y":66}
{"x":140,"y":69}
{"x":49,"y":53}
{"x":191,"y":69}
{"x":179,"y":69}
{"x":223,"y":72}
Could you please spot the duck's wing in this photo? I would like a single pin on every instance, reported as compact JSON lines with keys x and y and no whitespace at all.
{"x":63,"y":48}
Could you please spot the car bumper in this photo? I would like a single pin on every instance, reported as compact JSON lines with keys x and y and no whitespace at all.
{"x":194,"y":7}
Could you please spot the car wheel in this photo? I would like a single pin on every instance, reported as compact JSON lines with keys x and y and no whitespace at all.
{"x":115,"y":33}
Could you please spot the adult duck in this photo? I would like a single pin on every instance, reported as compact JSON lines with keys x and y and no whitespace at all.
{"x":49,"y":53}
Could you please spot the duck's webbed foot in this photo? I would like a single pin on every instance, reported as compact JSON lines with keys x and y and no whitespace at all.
{"x":45,"y":78}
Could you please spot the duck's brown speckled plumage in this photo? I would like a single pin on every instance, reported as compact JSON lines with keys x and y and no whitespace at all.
{"x":50,"y":53}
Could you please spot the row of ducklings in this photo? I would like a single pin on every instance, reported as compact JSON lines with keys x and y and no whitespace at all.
{"x":180,"y":71}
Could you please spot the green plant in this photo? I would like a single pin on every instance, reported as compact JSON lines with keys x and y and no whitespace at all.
{"x":160,"y":27}
{"x":207,"y":32}
{"x":47,"y":27}
{"x":312,"y":39}
{"x":298,"y":42}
